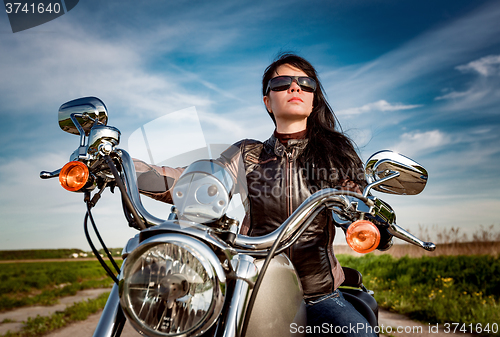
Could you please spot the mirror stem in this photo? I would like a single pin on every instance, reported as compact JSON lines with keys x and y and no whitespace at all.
{"x":378,"y":182}
{"x":79,"y":127}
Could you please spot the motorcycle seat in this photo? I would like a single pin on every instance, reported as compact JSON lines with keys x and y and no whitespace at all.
{"x":359,"y":298}
{"x":353,"y":278}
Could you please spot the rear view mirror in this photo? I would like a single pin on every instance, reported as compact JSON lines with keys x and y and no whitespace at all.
{"x":79,"y":115}
{"x":393,"y":173}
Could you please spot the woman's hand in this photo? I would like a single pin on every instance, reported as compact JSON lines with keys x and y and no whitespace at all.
{"x":349,"y":185}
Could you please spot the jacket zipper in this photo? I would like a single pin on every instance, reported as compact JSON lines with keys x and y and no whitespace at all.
{"x":288,"y":189}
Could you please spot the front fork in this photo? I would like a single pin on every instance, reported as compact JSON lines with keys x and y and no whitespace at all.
{"x":112,"y":319}
{"x":245,"y":272}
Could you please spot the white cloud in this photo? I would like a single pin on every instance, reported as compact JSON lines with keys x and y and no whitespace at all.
{"x":454,"y":95}
{"x":484,"y":89}
{"x":381,"y":105}
{"x":82,"y":61}
{"x":486,"y":66}
{"x":69,"y":67}
{"x":412,"y":143}
{"x":471,"y":98}
{"x":432,"y":51}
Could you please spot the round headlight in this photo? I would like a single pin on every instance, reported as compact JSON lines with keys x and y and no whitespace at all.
{"x":172,"y":285}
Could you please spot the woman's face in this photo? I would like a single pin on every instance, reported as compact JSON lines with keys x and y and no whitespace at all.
{"x":290,"y":107}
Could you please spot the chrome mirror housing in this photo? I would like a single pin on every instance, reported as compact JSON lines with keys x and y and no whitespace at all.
{"x":390,"y":172}
{"x":79,"y":115}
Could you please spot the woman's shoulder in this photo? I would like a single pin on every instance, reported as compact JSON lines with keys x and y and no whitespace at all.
{"x":246,"y":145}
{"x":241,"y":148}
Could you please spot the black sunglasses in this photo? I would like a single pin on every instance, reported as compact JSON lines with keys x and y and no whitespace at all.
{"x":281,"y":83}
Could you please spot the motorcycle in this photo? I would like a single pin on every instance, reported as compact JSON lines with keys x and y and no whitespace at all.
{"x":194,"y":274}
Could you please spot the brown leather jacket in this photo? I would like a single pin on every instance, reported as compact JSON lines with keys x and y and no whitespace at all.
{"x":276,"y":187}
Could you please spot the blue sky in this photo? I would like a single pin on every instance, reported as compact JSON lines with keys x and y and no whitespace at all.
{"x":421,"y":78}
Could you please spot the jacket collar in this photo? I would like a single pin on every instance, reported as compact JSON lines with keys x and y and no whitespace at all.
{"x":274,"y":145}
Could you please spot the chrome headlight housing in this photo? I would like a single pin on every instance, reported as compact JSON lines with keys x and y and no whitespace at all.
{"x":172,"y":285}
{"x":203,"y":192}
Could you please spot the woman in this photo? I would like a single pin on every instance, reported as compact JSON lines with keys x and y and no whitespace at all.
{"x":304,"y":154}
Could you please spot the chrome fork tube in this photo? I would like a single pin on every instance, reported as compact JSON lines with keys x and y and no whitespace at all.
{"x":246,"y":273}
{"x":112,"y":319}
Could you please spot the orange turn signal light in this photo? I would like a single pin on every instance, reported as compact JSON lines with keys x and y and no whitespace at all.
{"x":363,"y":236}
{"x":74,"y":175}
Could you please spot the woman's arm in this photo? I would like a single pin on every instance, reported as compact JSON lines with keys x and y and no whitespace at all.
{"x":156,"y":181}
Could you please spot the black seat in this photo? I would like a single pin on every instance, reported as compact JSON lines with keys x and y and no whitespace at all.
{"x":358,"y":295}
{"x":353,"y":278}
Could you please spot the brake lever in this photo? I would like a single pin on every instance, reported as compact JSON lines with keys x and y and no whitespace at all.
{"x":48,"y":175}
{"x":402,"y":234}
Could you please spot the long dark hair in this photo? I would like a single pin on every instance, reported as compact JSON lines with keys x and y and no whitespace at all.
{"x":329,"y":155}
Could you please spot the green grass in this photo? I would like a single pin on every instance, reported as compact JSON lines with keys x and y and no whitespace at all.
{"x":39,"y":254}
{"x":42,"y":283}
{"x":454,"y":289}
{"x":30,"y":254}
{"x":79,"y":311}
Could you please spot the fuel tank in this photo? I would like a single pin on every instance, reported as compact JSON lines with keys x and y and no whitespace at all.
{"x":279,"y":304}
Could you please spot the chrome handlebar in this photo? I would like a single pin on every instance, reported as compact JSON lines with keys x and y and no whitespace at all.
{"x":48,"y":175}
{"x":133,"y":189}
{"x":294,"y":226}
{"x":300,"y":218}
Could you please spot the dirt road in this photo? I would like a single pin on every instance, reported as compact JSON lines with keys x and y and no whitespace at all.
{"x":388,"y":320}
{"x":391,"y":324}
{"x":15,"y":317}
{"x":86,"y":329}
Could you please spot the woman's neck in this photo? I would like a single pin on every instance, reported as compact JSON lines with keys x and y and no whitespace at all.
{"x":291,"y":126}
{"x":285,"y":137}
